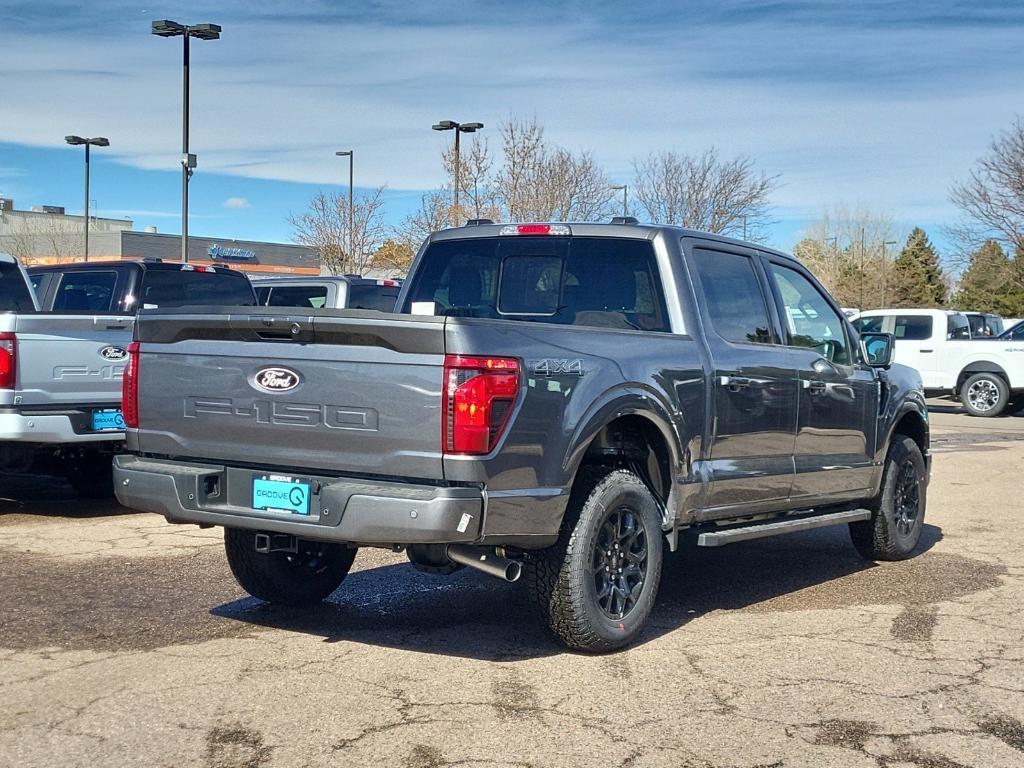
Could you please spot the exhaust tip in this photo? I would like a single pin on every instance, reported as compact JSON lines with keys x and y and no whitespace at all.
{"x":513,"y":571}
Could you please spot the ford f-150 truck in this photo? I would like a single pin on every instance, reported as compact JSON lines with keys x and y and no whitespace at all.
{"x":566,"y":401}
{"x":328,"y":292}
{"x":60,"y":369}
{"x":985,"y":374}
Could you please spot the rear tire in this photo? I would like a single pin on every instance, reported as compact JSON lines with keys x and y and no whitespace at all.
{"x":303,"y":578}
{"x":597,"y":585}
{"x":897,"y":518}
{"x":985,"y":394}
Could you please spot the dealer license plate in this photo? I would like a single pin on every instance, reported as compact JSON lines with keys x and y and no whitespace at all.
{"x":284,"y":495}
{"x":110,"y":418}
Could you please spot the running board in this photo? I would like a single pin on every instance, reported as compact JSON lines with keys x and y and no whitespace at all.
{"x":764,"y":530}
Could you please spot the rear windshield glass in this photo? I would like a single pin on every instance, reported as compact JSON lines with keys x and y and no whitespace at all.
{"x":178,"y":288}
{"x":602,"y":282}
{"x":306,"y":296}
{"x":14,"y":294}
{"x":379,"y":297}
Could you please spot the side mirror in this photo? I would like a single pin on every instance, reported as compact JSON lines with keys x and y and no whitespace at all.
{"x":877,"y":349}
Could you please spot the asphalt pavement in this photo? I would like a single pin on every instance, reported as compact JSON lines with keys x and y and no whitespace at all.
{"x":125,"y":641}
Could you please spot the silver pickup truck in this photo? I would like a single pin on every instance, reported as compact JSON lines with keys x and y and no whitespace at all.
{"x":563,"y":400}
{"x":60,"y":370}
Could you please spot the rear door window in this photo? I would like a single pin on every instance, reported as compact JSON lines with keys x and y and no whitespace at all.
{"x":367,"y":296}
{"x":306,"y":296}
{"x":179,"y":288}
{"x":85,"y":291}
{"x":869,"y":324}
{"x":590,"y":281}
{"x":913,"y":327}
{"x":14,"y":294}
{"x":733,"y":296}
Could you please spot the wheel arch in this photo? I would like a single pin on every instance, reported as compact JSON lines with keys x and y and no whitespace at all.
{"x":980,"y":366}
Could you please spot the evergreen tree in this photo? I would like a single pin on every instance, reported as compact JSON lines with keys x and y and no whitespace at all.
{"x":992,"y":283}
{"x":917,"y":279}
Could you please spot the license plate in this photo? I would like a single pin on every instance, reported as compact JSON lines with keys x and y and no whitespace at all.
{"x":108,"y":419}
{"x":280,"y":496}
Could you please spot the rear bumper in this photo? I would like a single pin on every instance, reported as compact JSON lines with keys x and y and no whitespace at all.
{"x":58,"y":427}
{"x":353,"y":511}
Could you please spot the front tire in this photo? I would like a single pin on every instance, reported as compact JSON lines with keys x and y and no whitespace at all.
{"x":302,"y":578}
{"x":985,"y":394}
{"x":897,"y":519}
{"x":597,"y":585}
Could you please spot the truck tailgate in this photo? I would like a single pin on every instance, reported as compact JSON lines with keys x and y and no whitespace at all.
{"x":67,"y":360}
{"x":345,"y":392}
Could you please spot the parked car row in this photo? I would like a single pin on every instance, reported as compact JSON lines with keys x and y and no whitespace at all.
{"x":986,"y":375}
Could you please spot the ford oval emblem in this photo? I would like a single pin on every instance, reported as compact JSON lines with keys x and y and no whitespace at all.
{"x":276,"y":379}
{"x":114,"y":353}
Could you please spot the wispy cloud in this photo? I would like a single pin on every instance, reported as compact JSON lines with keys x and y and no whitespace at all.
{"x":236,"y":202}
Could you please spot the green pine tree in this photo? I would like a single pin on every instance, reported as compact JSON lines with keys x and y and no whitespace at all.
{"x":917,"y":279}
{"x":993,"y":282}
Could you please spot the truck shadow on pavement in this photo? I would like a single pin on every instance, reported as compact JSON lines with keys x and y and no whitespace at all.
{"x":471,"y":615}
{"x":51,"y":496}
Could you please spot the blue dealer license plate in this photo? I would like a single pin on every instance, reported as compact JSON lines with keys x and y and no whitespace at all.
{"x":108,"y":419}
{"x":280,"y":496}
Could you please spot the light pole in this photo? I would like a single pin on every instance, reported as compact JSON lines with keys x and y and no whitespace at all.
{"x":98,"y":141}
{"x":451,"y":125}
{"x":624,"y":188}
{"x":350,"y":154}
{"x":885,"y":266}
{"x":167,"y":28}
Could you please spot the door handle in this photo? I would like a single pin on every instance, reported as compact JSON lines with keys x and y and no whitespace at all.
{"x":814,"y":387}
{"x":734,"y":383}
{"x":926,"y":350}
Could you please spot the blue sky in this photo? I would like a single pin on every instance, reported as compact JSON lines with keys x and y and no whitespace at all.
{"x":881,"y":104}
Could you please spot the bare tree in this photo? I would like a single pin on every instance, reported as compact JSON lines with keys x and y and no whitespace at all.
{"x":705,"y":192}
{"x":477,"y":196}
{"x":539,"y":182}
{"x":992,"y":197}
{"x":324,"y":227}
{"x":433,"y":214}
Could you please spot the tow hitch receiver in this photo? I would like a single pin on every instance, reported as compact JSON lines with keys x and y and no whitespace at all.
{"x":276,"y":542}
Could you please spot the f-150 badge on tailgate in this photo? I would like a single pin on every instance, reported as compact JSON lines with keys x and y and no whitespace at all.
{"x":275,"y":379}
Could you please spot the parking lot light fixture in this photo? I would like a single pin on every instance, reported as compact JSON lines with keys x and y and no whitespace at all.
{"x":624,"y":189}
{"x":459,"y":128}
{"x":351,"y":155}
{"x":77,"y":141}
{"x":206,"y":31}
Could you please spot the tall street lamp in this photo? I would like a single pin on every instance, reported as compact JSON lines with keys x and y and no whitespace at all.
{"x":167,"y":28}
{"x":885,"y":266}
{"x":350,"y":154}
{"x":624,"y":188}
{"x":451,"y":125}
{"x":98,"y":141}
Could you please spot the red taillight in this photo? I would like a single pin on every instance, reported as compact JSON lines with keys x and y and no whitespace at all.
{"x":130,"y":388}
{"x":478,"y":396}
{"x":8,"y":360}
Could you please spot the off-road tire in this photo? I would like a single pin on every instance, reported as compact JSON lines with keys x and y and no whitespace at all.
{"x":562,"y":580}
{"x":304,"y":578}
{"x":993,"y":389}
{"x":887,"y":535}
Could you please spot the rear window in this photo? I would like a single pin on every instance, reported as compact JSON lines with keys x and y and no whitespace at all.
{"x":179,"y":288}
{"x":379,"y":297}
{"x":85,"y":291}
{"x":14,"y":294}
{"x":913,"y":327}
{"x":306,"y":296}
{"x":598,"y":282}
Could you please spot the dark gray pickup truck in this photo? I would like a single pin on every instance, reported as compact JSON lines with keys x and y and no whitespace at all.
{"x":565,"y":401}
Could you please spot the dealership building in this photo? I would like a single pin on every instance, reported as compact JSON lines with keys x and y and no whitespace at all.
{"x":47,"y":235}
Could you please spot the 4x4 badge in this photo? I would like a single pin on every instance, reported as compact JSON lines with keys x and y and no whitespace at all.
{"x":275,"y":379}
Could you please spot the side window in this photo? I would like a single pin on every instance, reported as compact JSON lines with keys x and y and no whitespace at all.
{"x":85,"y":292}
{"x":1017,"y":334}
{"x":869,"y":324}
{"x":733,"y":296}
{"x":812,"y":321}
{"x":957,"y":327}
{"x":913,"y":327}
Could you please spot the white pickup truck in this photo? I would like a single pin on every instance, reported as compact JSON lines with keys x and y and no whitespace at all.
{"x":987,"y":375}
